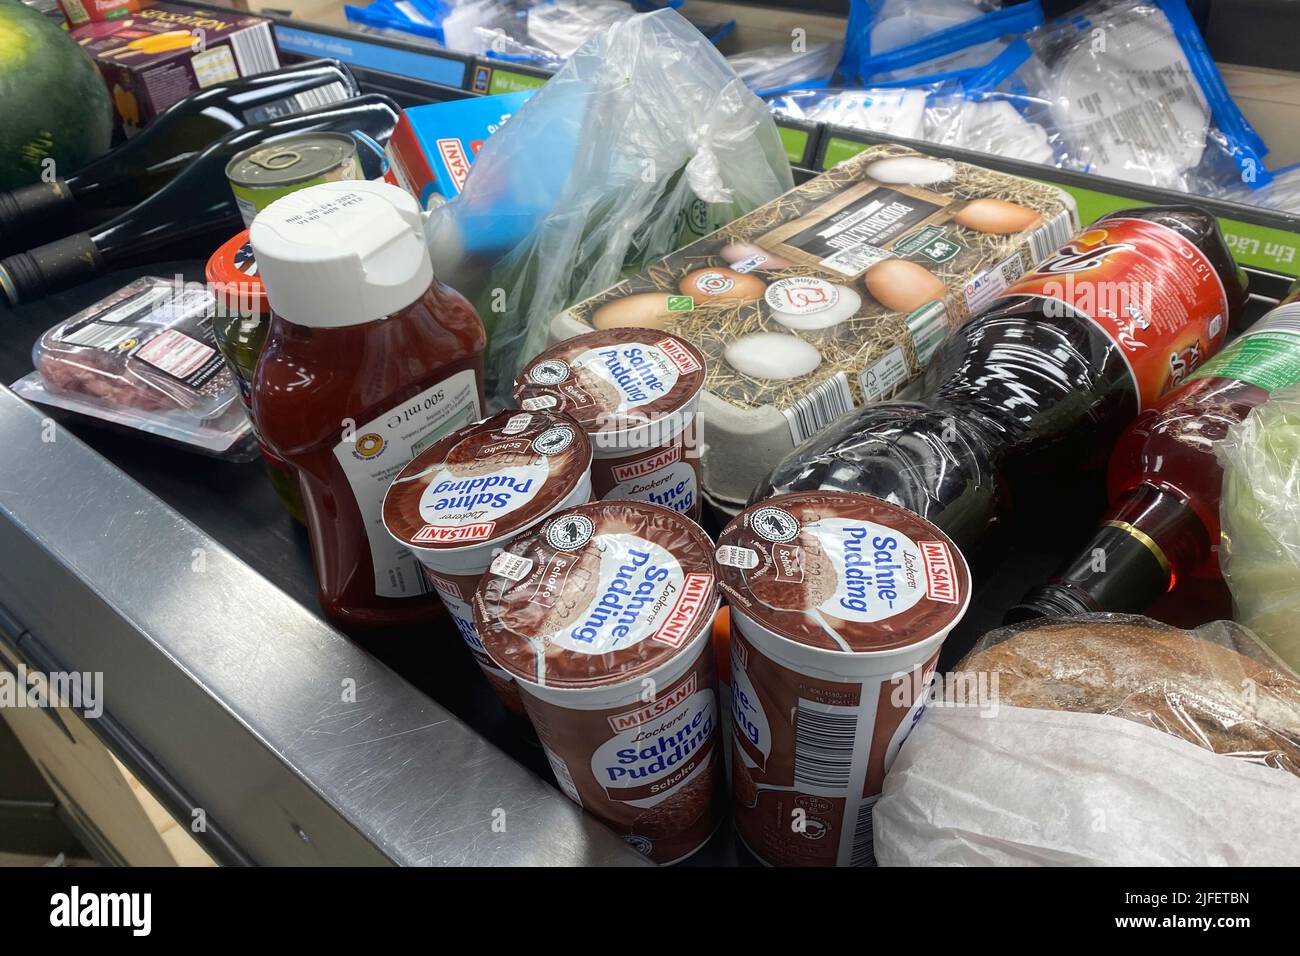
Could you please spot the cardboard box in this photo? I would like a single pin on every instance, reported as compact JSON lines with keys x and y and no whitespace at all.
{"x":163,"y":53}
{"x":77,"y":12}
{"x":433,"y":146}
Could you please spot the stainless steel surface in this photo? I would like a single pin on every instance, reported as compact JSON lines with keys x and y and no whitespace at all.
{"x":237,"y":693}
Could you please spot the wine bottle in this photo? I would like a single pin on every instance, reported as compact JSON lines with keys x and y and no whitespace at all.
{"x":145,"y":163}
{"x":196,"y":202}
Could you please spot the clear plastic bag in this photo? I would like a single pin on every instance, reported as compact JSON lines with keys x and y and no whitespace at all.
{"x":1102,"y":740}
{"x":779,"y":67}
{"x":894,"y":111}
{"x":964,"y":45}
{"x":643,"y":141}
{"x":1136,"y":96}
{"x":876,"y":27}
{"x":1260,"y":514}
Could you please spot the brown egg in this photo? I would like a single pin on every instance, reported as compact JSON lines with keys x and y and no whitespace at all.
{"x":996,"y":216}
{"x":902,"y":285}
{"x":721,"y":283}
{"x":646,"y":310}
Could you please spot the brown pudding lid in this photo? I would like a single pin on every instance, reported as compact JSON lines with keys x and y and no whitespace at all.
{"x":842,"y":572}
{"x":487,"y":480}
{"x":613,"y":379}
{"x":597,"y":595}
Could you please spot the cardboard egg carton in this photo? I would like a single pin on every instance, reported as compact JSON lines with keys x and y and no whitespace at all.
{"x":833,"y":295}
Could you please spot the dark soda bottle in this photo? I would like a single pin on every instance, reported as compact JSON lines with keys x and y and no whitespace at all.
{"x":1163,"y":522}
{"x":1039,"y":385}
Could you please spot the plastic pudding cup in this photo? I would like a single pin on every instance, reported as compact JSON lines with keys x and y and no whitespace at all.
{"x":636,"y":392}
{"x":822,"y":701}
{"x":603,"y":615}
{"x":505,"y":453}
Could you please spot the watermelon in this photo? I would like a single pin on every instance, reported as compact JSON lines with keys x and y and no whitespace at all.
{"x":53,"y":101}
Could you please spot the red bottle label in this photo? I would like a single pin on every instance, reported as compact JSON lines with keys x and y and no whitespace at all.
{"x":1152,"y":291}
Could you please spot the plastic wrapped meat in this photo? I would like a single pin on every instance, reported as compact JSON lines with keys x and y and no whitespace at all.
{"x":148,"y":347}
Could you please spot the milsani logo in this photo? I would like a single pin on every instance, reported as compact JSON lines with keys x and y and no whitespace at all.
{"x":939,"y":572}
{"x":647,"y":465}
{"x":679,"y":355}
{"x":654,"y":709}
{"x":74,"y":908}
{"x":690,"y":605}
{"x":453,"y":155}
{"x":465,"y":532}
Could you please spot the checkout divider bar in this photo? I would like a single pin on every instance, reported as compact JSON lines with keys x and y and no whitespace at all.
{"x":214,"y":673}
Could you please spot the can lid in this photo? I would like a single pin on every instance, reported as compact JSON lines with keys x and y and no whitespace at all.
{"x":597,"y":595}
{"x":486,"y":482}
{"x":842,"y":572}
{"x":233,"y":275}
{"x":614,"y":380}
{"x":341,"y":253}
{"x":290,"y":160}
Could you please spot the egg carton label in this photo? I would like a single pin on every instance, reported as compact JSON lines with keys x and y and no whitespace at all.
{"x":885,"y":376}
{"x":856,"y":230}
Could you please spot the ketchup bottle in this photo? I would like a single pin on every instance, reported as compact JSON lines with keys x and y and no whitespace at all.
{"x":1163,"y":522}
{"x":1040,"y":384}
{"x":368,"y":360}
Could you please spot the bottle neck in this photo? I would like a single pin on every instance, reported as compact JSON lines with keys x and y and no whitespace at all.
{"x":1148,"y":540}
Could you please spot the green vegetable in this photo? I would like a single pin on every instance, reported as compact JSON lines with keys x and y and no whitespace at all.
{"x":1260,"y":513}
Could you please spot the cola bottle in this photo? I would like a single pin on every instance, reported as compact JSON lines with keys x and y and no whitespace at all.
{"x":1038,"y":386}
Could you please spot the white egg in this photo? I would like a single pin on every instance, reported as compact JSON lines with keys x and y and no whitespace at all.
{"x":807,"y":304}
{"x":909,"y":171}
{"x":772,"y":355}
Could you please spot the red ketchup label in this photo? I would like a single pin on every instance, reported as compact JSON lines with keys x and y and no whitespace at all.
{"x":1152,"y":291}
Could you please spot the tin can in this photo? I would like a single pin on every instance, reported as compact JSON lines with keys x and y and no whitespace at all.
{"x":261,"y":175}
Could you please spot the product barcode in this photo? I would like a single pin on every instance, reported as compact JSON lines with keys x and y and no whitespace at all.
{"x":863,"y":852}
{"x":321,"y":96}
{"x":254,"y":50}
{"x":1049,"y":237}
{"x":101,"y":335}
{"x":823,"y":748}
{"x":562,"y":776}
{"x":821,"y":406}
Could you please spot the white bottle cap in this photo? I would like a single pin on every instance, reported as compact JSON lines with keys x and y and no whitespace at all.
{"x":341,"y":254}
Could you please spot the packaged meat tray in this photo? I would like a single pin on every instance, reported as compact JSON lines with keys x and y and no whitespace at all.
{"x":148,"y":346}
{"x":831,"y":296}
{"x":144,"y":358}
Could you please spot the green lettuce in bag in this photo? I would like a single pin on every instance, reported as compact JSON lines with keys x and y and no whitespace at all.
{"x":1260,"y":513}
